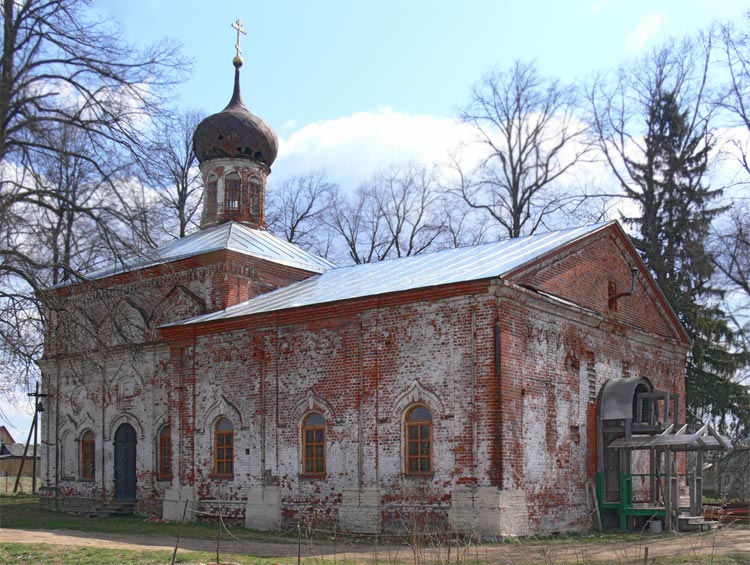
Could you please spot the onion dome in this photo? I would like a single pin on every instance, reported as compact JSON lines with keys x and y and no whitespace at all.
{"x":235,"y":133}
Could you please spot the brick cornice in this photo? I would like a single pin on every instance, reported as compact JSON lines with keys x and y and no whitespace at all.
{"x":518,"y":294}
{"x":328,"y":310}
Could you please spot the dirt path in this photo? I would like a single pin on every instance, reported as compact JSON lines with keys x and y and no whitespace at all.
{"x":721,"y":542}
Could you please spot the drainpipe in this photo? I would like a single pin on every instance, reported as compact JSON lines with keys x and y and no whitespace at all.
{"x":499,"y":399}
{"x":474,"y":426}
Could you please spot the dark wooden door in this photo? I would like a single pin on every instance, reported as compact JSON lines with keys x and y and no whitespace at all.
{"x":125,"y":462}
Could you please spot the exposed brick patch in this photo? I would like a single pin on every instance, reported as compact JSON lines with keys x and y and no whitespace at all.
{"x":511,"y":377}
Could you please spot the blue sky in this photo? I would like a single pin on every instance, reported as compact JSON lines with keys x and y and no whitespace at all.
{"x":309,"y":61}
{"x":351,"y":85}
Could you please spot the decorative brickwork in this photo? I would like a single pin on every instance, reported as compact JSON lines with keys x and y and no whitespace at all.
{"x":510,"y":370}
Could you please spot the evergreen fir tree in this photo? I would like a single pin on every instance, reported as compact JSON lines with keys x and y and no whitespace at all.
{"x":676,"y":213}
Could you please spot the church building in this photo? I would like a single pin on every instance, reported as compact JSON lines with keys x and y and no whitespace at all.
{"x":234,"y":373}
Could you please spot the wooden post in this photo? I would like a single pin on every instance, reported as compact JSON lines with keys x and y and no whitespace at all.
{"x":179,"y":533}
{"x":25,"y":452}
{"x":218,"y":542}
{"x":36,"y":395}
{"x":33,"y":460}
{"x":299,"y":545}
{"x":668,"y":490}
{"x":595,"y":499}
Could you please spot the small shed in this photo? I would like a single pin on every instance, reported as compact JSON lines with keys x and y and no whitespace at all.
{"x":11,"y":455}
{"x":639,"y":437}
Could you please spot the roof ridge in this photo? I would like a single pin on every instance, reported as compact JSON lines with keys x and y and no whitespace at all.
{"x":446,"y":266}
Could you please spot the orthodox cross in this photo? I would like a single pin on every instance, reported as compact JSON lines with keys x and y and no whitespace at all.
{"x":240,"y":30}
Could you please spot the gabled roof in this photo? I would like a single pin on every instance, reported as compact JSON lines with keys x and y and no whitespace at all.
{"x":464,"y":264}
{"x":704,"y":439}
{"x":229,"y":236}
{"x":5,"y":436}
{"x":15,"y":450}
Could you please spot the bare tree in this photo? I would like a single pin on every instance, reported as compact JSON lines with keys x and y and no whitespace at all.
{"x":59,"y":66}
{"x":735,"y":46}
{"x":358,"y":221}
{"x":731,"y":238}
{"x":463,"y":225}
{"x":171,"y":167}
{"x":296,"y":211}
{"x":64,"y":229}
{"x":398,"y":212}
{"x":619,"y":107}
{"x":74,"y":102}
{"x":655,"y":129}
{"x":733,"y":259}
{"x":532,"y":134}
{"x":408,"y":198}
{"x":731,"y":246}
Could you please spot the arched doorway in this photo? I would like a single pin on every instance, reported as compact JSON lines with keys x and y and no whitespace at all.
{"x":125,"y":441}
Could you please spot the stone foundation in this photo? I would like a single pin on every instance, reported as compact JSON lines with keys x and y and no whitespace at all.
{"x":263,"y":511}
{"x":489,"y":512}
{"x":360,"y":511}
{"x":175,"y":500}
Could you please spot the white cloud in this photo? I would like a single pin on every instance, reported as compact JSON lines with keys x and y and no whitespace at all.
{"x":597,"y":6}
{"x":17,"y":414}
{"x":647,"y":28}
{"x":352,"y":147}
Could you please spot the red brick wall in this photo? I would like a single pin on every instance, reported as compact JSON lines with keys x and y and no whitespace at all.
{"x":525,"y":426}
{"x":106,"y":363}
{"x":531,"y":430}
{"x":549,"y":443}
{"x":584,"y":275}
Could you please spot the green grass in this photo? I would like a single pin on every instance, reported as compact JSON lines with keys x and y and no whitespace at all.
{"x":24,"y":512}
{"x":18,"y":553}
{"x":736,"y":559}
{"x":8,"y":482}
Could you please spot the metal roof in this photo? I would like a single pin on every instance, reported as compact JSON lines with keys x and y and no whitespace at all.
{"x":443,"y":267}
{"x":14,"y":450}
{"x":230,"y":236}
{"x":705,"y":438}
{"x":618,"y":395}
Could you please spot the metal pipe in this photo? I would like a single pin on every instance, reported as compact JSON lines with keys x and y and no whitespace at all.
{"x":500,"y":435}
{"x":613,"y":298}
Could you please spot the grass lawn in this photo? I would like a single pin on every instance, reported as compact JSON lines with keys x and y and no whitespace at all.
{"x":23,"y":512}
{"x":19,"y":553}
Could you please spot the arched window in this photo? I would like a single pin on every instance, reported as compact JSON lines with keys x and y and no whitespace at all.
{"x":224,"y":452}
{"x":88,"y":443}
{"x":418,"y":428}
{"x":165,"y":453}
{"x":254,"y":195}
{"x":232,"y":192}
{"x":314,"y":444}
{"x":211,"y":190}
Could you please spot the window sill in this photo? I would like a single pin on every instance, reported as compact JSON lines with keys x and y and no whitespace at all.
{"x":312,"y":476}
{"x":419,"y":475}
{"x":163,"y":479}
{"x":221,"y":477}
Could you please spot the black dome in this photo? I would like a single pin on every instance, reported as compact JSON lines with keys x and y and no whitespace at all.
{"x":235,"y":132}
